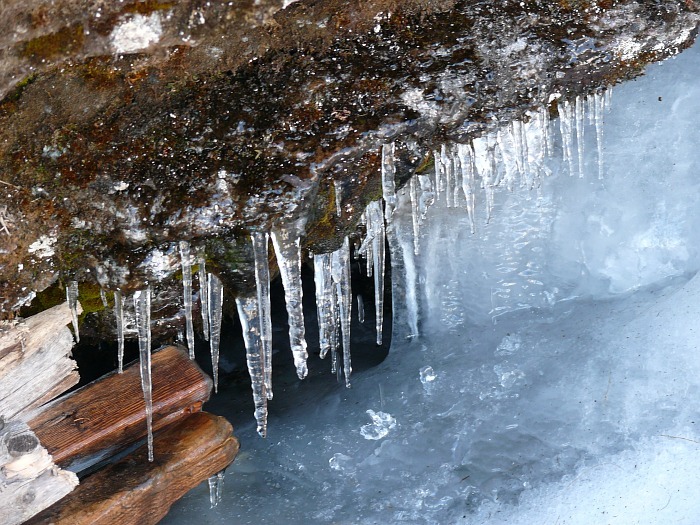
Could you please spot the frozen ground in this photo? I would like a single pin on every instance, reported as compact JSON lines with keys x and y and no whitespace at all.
{"x":556,"y":379}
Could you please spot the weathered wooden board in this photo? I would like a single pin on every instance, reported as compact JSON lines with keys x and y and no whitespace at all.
{"x":35,"y":360}
{"x":136,"y":492}
{"x":108,"y":415}
{"x":29,"y":480}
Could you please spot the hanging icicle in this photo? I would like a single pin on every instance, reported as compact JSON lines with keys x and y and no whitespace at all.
{"x":566,"y":119}
{"x":580,"y":126}
{"x":388,"y":179}
{"x":203,"y":296}
{"x":215,"y":294}
{"x":103,"y":297}
{"x":288,"y":252}
{"x":142,"y":306}
{"x":250,"y":323}
{"x":325,"y":303}
{"x":262,"y":285}
{"x":598,"y":110}
{"x":374,"y":215}
{"x":72,"y":298}
{"x":340,"y":270}
{"x":216,"y":487}
{"x":186,"y":264}
{"x":119,"y":319}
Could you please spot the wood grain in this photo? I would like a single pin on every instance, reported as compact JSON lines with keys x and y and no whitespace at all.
{"x":136,"y":492}
{"x":108,"y":415}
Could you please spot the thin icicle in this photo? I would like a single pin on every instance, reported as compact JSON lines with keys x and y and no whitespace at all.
{"x":509,"y":155}
{"x":325,"y":302}
{"x":415,"y":214}
{"x":427,"y":195}
{"x":338,"y":197}
{"x":119,"y":318}
{"x":388,"y":179}
{"x":580,"y":124}
{"x":288,"y":252}
{"x":340,"y":270}
{"x":216,"y":487}
{"x":598,"y":110}
{"x":186,"y":264}
{"x":360,"y":309}
{"x":103,"y":297}
{"x":250,"y":323}
{"x":262,"y":285}
{"x":485,"y":162}
{"x":215,"y":293}
{"x":448,"y":176}
{"x":607,"y":98}
{"x":378,"y":261}
{"x":466,"y":161}
{"x":72,"y":298}
{"x":203,"y":297}
{"x":565,"y":126}
{"x":142,"y":306}
{"x":548,"y":139}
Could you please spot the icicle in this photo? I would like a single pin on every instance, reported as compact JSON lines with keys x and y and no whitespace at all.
{"x":288,"y":251}
{"x":340,"y":270}
{"x":518,"y":148}
{"x":103,"y":296}
{"x":186,"y":264}
{"x":216,"y":487}
{"x":565,"y":127}
{"x":607,"y":98}
{"x":598,"y":109}
{"x":203,"y":297}
{"x":448,"y":175}
{"x":485,"y":161}
{"x":119,"y":318}
{"x":548,"y":139}
{"x":262,"y":285}
{"x":466,"y":156}
{"x":142,"y":306}
{"x":427,"y":195}
{"x":360,"y":309}
{"x":536,"y":147}
{"x":338,"y":197}
{"x":215,"y":293}
{"x":509,"y":154}
{"x":72,"y":298}
{"x":579,"y":111}
{"x":388,"y":178}
{"x":415,"y":214}
{"x":325,"y":302}
{"x":249,"y":316}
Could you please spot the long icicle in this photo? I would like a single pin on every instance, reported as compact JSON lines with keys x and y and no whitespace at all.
{"x":288,"y":251}
{"x":72,"y":298}
{"x":119,"y":318}
{"x":325,"y":302}
{"x":340,"y":269}
{"x":186,"y":264}
{"x":142,"y":306}
{"x":388,"y":178}
{"x":215,"y":292}
{"x":580,"y":123}
{"x":203,"y":297}
{"x":375,"y":215}
{"x":248,"y":314}
{"x":262,"y":285}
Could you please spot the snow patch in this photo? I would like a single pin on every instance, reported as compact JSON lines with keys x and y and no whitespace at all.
{"x":136,"y":33}
{"x":43,"y":246}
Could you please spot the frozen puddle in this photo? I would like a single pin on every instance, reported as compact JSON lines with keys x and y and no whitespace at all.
{"x":556,"y":376}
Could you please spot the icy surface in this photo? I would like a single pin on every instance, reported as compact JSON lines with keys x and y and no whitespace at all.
{"x":551,"y":375}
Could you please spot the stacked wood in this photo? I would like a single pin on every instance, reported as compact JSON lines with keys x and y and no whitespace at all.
{"x":136,"y":492}
{"x":101,"y":418}
{"x":35,"y":360}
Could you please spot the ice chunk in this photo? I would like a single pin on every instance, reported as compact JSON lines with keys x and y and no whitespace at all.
{"x":142,"y":306}
{"x":382,"y":423}
{"x":288,"y":252}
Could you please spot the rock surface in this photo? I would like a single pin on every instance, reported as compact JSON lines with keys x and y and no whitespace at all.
{"x":128,"y":127}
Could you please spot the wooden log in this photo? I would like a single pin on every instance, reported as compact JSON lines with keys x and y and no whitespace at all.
{"x":29,"y":480}
{"x":136,"y":492}
{"x":35,"y":360}
{"x":108,"y":415}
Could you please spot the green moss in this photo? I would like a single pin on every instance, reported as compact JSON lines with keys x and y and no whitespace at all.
{"x":61,"y":43}
{"x":148,"y":7}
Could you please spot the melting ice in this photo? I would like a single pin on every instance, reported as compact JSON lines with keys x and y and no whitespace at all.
{"x":543,"y":369}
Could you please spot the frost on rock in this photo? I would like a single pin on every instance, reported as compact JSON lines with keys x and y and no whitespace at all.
{"x":249,"y":316}
{"x":215,"y":296}
{"x":288,"y":252}
{"x":186,"y":264}
{"x":72,"y":298}
{"x":262,"y":285}
{"x":142,"y":306}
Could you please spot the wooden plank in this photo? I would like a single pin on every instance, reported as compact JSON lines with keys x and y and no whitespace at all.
{"x":108,"y":415}
{"x":136,"y":492}
{"x":29,"y":480}
{"x":35,"y":360}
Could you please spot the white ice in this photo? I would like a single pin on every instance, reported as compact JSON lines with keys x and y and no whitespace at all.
{"x":552,"y":373}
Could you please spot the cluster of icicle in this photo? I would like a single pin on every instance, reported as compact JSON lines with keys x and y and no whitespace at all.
{"x":514,"y":153}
